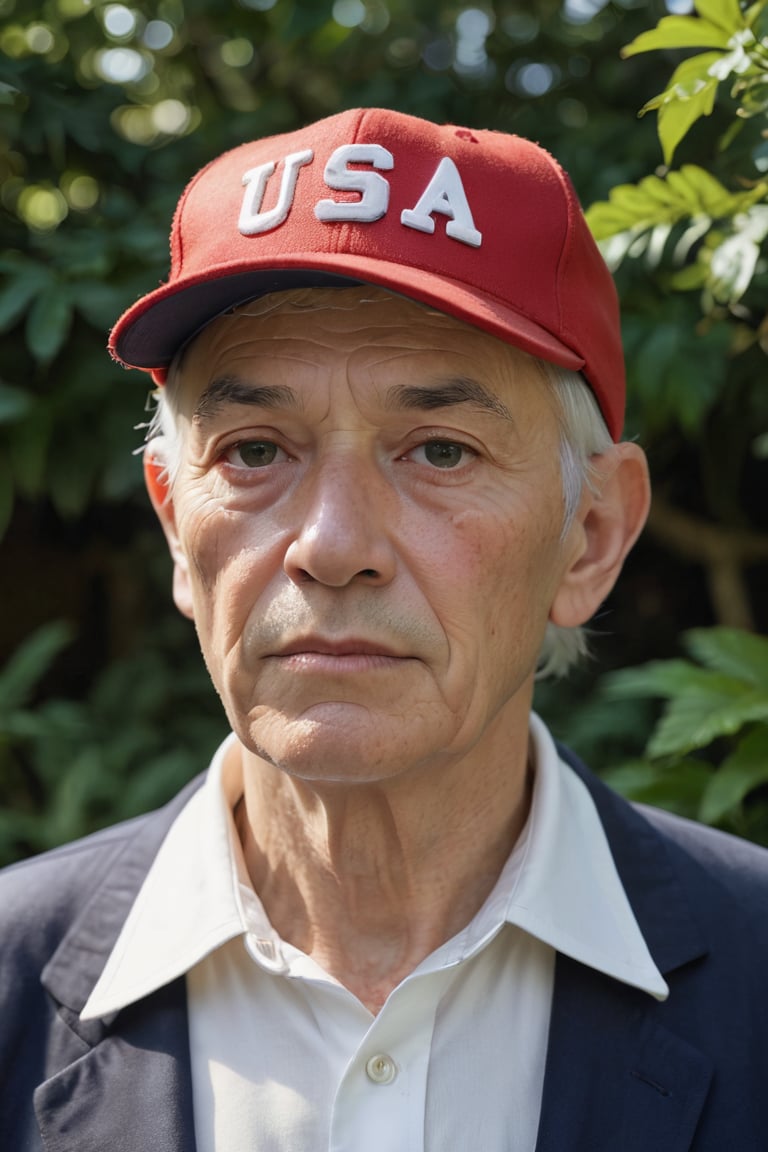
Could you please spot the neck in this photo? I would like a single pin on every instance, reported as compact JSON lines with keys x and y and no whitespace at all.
{"x":370,"y":878}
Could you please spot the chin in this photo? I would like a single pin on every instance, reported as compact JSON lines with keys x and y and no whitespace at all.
{"x":334,"y":744}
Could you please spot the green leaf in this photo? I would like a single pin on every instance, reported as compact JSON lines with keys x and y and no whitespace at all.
{"x":678,"y":787}
{"x":636,"y":207}
{"x":25,"y":281}
{"x":704,"y":703}
{"x":743,"y":770}
{"x":687,"y":81}
{"x":752,"y":13}
{"x":725,"y":14}
{"x":695,"y":719}
{"x":689,"y":191}
{"x":676,"y":118}
{"x":657,"y":678}
{"x":680,"y":182}
{"x":691,"y":278}
{"x":48,"y":323}
{"x":732,"y":651}
{"x":690,"y":95}
{"x":659,"y":191}
{"x":714,"y":197}
{"x":99,"y":303}
{"x":680,"y":32}
{"x":14,"y":404}
{"x":674,"y":369}
{"x":29,"y":664}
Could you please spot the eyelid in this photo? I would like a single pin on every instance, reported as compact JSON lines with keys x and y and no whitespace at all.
{"x":240,"y":432}
{"x":247,"y":435}
{"x":423,"y":436}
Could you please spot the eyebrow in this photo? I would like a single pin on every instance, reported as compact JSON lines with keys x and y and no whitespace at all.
{"x":459,"y":390}
{"x":232,"y":390}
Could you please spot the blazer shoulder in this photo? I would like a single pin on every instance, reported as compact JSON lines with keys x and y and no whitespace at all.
{"x":739,"y":865}
{"x":40,"y":898}
{"x":725,"y":877}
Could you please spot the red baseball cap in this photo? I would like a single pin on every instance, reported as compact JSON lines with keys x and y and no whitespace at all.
{"x":481,"y":225}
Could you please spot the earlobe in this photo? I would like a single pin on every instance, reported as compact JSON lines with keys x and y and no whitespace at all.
{"x":159,"y":489}
{"x":609,"y":521}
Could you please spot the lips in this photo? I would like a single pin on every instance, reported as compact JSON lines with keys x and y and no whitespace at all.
{"x":320,"y":646}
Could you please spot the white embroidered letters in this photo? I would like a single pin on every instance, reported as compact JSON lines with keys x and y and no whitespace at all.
{"x":373,"y":189}
{"x":445,"y":194}
{"x":252,"y":219}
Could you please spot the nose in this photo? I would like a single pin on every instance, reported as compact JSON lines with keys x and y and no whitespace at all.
{"x":345,"y":529}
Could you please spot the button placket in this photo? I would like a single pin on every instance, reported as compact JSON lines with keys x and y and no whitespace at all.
{"x":381,"y":1098}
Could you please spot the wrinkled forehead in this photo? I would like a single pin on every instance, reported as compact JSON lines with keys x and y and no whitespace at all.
{"x":361,"y":322}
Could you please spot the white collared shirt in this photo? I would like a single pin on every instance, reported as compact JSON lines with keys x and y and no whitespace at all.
{"x":285,"y":1059}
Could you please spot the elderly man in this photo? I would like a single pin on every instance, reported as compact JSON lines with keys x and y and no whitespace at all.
{"x":394,"y":915}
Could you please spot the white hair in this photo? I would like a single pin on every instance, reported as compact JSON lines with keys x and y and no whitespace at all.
{"x":583,"y":435}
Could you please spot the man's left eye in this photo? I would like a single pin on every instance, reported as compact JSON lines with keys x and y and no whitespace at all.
{"x":254,"y":454}
{"x":445,"y":453}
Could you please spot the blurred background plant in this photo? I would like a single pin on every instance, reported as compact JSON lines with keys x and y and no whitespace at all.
{"x":703,"y":231}
{"x":106,"y":109}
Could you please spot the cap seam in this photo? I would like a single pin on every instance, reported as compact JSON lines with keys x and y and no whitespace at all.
{"x":567,"y":248}
{"x":339,"y":236}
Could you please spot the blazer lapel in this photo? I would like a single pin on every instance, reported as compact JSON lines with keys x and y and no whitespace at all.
{"x":123,"y":1082}
{"x":132,"y":1091}
{"x":617,"y":1079}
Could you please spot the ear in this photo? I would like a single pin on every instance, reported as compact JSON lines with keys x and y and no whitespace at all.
{"x":159,"y":489}
{"x":609,"y":520}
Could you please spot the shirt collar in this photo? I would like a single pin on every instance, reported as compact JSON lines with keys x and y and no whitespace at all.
{"x":560,"y":884}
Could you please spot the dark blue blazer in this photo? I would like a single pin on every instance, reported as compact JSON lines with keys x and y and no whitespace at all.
{"x":624,"y":1073}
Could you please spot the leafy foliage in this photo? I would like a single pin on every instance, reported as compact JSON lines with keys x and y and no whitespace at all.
{"x":722,"y":700}
{"x":733,"y":224}
{"x":708,"y":753}
{"x":68,"y":766}
{"x":691,"y":92}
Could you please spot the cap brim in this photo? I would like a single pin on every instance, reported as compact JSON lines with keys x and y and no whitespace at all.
{"x":150,"y":333}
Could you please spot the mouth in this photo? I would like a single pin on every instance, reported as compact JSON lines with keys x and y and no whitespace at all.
{"x":317,"y":646}
{"x":324,"y":656}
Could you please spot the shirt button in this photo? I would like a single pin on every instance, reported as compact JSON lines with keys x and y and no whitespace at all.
{"x":381,"y":1069}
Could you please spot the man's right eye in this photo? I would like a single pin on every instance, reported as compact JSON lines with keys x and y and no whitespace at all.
{"x":254,"y":454}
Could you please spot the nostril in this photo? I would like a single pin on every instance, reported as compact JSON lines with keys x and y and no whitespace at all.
{"x":370,"y":572}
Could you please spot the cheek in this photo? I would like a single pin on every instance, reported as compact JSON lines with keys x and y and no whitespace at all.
{"x":508,"y":570}
{"x":221,"y":548}
{"x":489,"y":551}
{"x":205,"y":536}
{"x":466,"y":567}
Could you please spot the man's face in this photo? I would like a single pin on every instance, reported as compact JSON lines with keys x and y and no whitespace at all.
{"x":368,"y":514}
